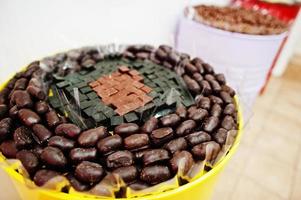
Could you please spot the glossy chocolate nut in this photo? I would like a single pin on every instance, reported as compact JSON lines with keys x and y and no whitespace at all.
{"x":142,"y":55}
{"x":226,"y":97}
{"x":228,"y":122}
{"x":52,"y":119}
{"x":200,"y":67}
{"x":53,"y":157}
{"x":11,"y":83}
{"x":41,"y":133}
{"x":179,"y":70}
{"x":176,"y":145}
{"x":167,"y":65}
{"x":35,"y":82}
{"x":215,"y":86}
{"x":8,"y":149}
{"x":165,"y":48}
{"x":155,"y":174}
{"x":36,"y":92}
{"x":208,"y":68}
{"x":29,"y":161}
{"x":198,"y":97}
{"x":80,"y":154}
{"x":191,"y":111}
{"x":198,"y":77}
{"x":21,"y":84}
{"x":150,"y":125}
{"x":41,"y":107}
{"x":155,"y":156}
{"x":229,"y":109}
{"x":199,"y":114}
{"x":3,"y":111}
{"x":228,"y":90}
{"x":89,"y":172}
{"x":173,"y":58}
{"x":68,"y":130}
{"x":133,"y":48}
{"x":220,"y":136}
{"x":23,"y":137}
{"x":136,"y":141}
{"x":4,"y":95}
{"x":206,"y":88}
{"x":5,"y":128}
{"x":147,"y":48}
{"x":139,"y":154}
{"x":209,"y":77}
{"x":126,"y":129}
{"x":28,"y":117}
{"x":109,"y":144}
{"x":216,"y":100}
{"x":37,"y":150}
{"x":185,"y":127}
{"x":199,"y":151}
{"x":101,"y":189}
{"x":61,"y":143}
{"x":43,"y":176}
{"x":221,"y":78}
{"x":197,"y":60}
{"x":31,"y":69}
{"x":90,"y":137}
{"x":160,"y":54}
{"x":216,"y":110}
{"x":181,"y":112}
{"x":161,"y":135}
{"x":88,"y":63}
{"x":154,"y":59}
{"x":210,"y":124}
{"x":190,"y":68}
{"x":139,"y":185}
{"x":181,"y":162}
{"x":76,"y":184}
{"x":13,"y":112}
{"x":120,"y":159}
{"x":22,"y":99}
{"x":63,"y":120}
{"x":128,"y":55}
{"x":184,"y":56}
{"x":127,"y":174}
{"x":191,"y":84}
{"x":204,"y":103}
{"x":170,"y":120}
{"x":74,"y":54}
{"x":197,"y":138}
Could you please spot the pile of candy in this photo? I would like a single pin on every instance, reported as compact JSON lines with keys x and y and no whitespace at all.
{"x":240,"y":20}
{"x":145,"y":114}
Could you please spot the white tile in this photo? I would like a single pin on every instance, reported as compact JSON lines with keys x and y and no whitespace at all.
{"x":247,"y":189}
{"x":271,"y":173}
{"x":226,"y":184}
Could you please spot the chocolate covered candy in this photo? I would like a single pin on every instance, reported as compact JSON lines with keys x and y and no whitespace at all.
{"x":89,"y":172}
{"x":155,"y":174}
{"x":53,"y":157}
{"x":120,"y":159}
{"x":68,"y":130}
{"x":90,"y":137}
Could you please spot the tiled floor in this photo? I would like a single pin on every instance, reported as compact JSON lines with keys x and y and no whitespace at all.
{"x":267,"y":165}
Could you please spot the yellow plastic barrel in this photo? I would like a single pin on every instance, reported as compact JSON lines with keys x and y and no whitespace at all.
{"x":199,"y":189}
